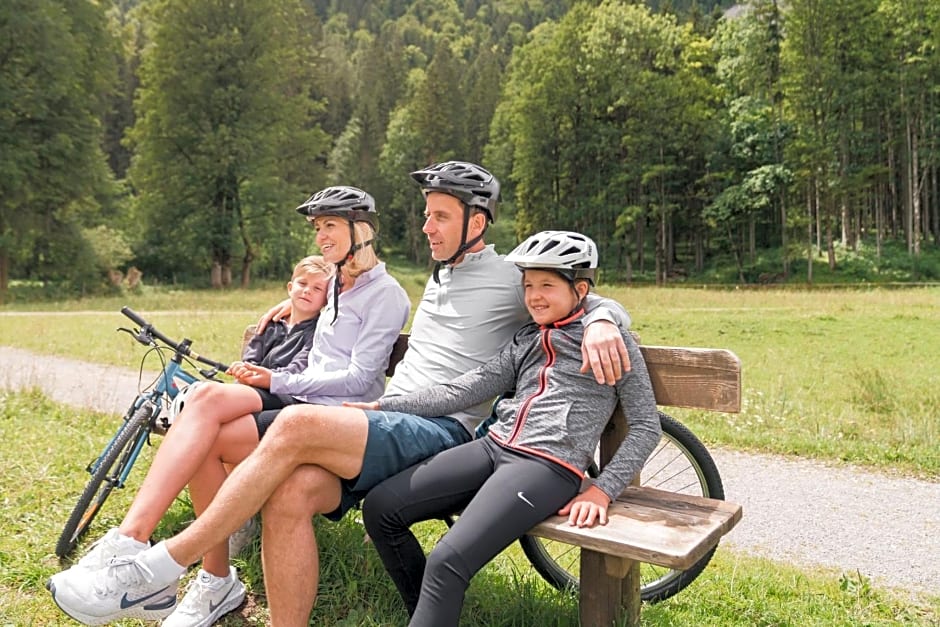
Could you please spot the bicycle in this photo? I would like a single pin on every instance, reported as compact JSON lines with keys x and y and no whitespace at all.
{"x":148,"y":413}
{"x":679,"y":463}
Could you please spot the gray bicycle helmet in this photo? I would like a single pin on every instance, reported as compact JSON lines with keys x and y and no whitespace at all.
{"x":472,"y":185}
{"x":343,"y":201}
{"x":570,"y":254}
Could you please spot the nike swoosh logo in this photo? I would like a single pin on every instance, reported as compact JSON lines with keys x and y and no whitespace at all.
{"x":527,"y":501}
{"x":127,"y":602}
{"x":214,"y":606}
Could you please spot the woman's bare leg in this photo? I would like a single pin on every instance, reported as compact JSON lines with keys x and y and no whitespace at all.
{"x":183,"y":451}
{"x":235,"y":441}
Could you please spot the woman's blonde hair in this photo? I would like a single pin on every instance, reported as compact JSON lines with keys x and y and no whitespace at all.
{"x":313,"y":264}
{"x":365,"y":258}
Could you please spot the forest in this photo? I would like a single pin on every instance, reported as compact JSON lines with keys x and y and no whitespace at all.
{"x":764,"y":142}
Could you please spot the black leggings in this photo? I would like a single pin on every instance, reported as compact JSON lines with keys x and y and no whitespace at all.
{"x":499,"y":493}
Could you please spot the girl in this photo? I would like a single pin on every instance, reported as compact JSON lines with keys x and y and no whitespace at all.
{"x":532,"y":462}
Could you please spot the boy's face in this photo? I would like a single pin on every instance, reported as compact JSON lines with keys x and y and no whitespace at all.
{"x":307,"y":293}
{"x":548,"y":296}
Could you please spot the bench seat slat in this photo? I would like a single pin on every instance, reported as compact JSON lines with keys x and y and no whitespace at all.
{"x":653,"y":526}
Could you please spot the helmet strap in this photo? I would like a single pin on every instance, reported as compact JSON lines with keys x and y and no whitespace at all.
{"x":338,"y":283}
{"x":464,"y":244}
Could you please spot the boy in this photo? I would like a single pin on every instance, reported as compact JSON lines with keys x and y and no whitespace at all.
{"x":532,"y":463}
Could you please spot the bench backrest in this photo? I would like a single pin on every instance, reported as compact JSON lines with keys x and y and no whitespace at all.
{"x":698,"y":378}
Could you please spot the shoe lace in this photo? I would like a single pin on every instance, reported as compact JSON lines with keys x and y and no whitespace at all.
{"x":195,"y":597}
{"x":98,"y":554}
{"x":120,"y":574}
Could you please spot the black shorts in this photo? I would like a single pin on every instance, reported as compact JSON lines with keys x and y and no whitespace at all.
{"x":271,"y":406}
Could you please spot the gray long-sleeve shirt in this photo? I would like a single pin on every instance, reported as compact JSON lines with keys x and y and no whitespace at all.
{"x":557,"y":412}
{"x":466,"y":319}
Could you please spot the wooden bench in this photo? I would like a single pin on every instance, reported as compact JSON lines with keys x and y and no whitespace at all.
{"x":646,"y":525}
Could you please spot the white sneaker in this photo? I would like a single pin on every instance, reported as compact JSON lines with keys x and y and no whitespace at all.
{"x":112,"y":544}
{"x":207,"y":600}
{"x":243,"y":537}
{"x":125,"y":588}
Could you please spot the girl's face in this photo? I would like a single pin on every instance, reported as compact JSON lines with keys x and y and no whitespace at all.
{"x":549,"y":297}
{"x":307,"y":292}
{"x":333,"y":238}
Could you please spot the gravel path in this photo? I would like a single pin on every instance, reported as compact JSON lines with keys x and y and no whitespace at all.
{"x":797,"y":511}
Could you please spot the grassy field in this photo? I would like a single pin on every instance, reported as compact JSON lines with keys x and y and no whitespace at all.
{"x":838,"y":375}
{"x":46,"y":446}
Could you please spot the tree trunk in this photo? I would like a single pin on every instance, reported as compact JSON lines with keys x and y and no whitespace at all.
{"x":4,"y":275}
{"x":809,"y":235}
{"x":215,"y":275}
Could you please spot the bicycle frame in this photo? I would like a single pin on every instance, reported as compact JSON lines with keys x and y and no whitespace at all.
{"x":111,"y":468}
{"x":171,"y":380}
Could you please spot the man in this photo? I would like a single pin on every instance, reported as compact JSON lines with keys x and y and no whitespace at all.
{"x":317,"y":459}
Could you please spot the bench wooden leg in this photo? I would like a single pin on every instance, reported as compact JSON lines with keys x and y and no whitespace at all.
{"x":610,"y":590}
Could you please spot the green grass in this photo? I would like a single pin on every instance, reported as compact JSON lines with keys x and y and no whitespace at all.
{"x":832,"y":374}
{"x":45,"y":447}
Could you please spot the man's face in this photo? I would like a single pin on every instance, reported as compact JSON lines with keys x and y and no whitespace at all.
{"x":443,"y":224}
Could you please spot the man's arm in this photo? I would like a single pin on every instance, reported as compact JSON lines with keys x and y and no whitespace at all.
{"x":602,"y":349}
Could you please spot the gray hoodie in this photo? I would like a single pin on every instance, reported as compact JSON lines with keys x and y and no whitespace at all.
{"x":556,"y":412}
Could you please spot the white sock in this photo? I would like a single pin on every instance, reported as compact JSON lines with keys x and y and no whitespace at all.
{"x":164,"y":568}
{"x":132,"y":541}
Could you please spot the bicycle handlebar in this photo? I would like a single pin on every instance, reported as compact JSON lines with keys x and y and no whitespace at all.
{"x":147,"y":331}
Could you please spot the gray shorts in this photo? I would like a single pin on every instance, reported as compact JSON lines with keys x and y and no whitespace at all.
{"x":397,"y":441}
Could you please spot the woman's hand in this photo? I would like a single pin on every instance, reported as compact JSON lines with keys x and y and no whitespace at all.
{"x":604,"y":352}
{"x":586,"y":508}
{"x":280,"y":310}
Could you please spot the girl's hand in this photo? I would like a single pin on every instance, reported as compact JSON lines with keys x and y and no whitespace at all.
{"x":361,"y":405}
{"x":586,"y":508}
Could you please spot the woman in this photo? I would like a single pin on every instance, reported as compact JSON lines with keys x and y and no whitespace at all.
{"x":221,"y":423}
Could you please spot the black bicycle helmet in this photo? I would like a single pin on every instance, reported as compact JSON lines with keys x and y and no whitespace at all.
{"x":343,"y":201}
{"x":472,"y":185}
{"x":352,"y":204}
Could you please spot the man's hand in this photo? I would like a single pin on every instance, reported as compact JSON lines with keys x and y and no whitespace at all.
{"x":280,"y":310}
{"x":604,"y":352}
{"x":586,"y":508}
{"x":255,"y":376}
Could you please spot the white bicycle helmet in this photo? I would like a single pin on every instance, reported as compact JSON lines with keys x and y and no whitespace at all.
{"x":168,"y":417}
{"x":570,"y":254}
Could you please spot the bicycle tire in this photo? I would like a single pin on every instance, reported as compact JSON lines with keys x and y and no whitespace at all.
{"x":113,"y":462}
{"x":679,"y":463}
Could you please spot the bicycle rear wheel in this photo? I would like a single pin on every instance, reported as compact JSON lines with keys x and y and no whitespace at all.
{"x":679,"y":463}
{"x":118,"y":456}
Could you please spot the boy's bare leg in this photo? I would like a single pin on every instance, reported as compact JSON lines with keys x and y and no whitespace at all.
{"x":289,"y":549}
{"x":331,"y":437}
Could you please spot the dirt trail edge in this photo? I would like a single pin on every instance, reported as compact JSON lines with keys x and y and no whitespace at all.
{"x":795,"y":511}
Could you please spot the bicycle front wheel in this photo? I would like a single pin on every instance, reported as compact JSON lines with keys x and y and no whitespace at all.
{"x":679,"y":463}
{"x":105,"y":477}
